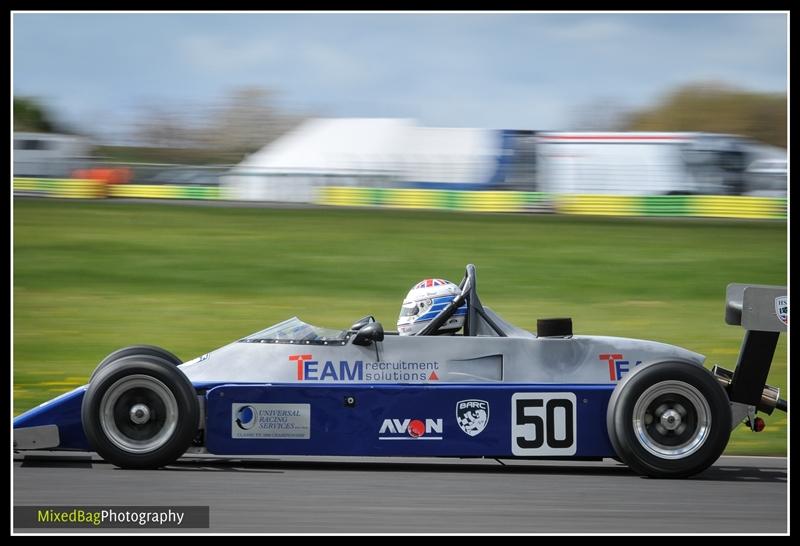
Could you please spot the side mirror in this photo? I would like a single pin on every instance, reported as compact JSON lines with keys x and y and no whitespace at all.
{"x":360,"y":323}
{"x":368,"y":334}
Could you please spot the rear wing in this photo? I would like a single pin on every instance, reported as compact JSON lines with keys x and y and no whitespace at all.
{"x":763,"y":311}
{"x":757,"y":307}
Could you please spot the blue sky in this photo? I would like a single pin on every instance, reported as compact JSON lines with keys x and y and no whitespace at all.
{"x":531,"y":71}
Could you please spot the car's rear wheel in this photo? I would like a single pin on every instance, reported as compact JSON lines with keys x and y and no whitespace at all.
{"x":669,"y":420}
{"x":140,"y":412}
{"x":142,"y":350}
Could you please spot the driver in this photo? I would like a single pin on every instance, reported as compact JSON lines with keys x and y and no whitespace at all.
{"x":426,"y":300}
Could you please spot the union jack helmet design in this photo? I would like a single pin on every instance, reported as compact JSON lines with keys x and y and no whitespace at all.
{"x":426,"y":300}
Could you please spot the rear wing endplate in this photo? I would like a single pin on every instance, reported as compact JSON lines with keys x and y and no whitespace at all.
{"x":757,"y":307}
{"x":763,"y":311}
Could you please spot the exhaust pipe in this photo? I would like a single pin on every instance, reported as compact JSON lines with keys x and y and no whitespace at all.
{"x":770,"y":396}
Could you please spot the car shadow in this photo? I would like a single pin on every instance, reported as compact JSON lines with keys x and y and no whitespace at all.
{"x":49,"y":461}
{"x":737,"y":473}
{"x":402,"y":466}
{"x":718,"y":473}
{"x":181,"y":466}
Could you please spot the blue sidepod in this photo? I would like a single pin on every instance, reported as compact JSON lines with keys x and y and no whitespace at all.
{"x":519,"y":420}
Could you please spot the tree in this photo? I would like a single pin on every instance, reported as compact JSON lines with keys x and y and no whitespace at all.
{"x":161,"y":127}
{"x":246,"y":121}
{"x":717,"y":108}
{"x":241,"y":123}
{"x":600,"y":114}
{"x":31,"y":116}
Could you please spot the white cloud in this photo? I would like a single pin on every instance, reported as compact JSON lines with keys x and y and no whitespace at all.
{"x":599,"y":28}
{"x":216,"y":54}
{"x":331,"y":64}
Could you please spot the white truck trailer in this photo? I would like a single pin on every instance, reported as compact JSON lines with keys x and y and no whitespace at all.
{"x":642,"y":163}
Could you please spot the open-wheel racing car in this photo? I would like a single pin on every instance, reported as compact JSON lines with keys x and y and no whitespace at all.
{"x":494,"y":390}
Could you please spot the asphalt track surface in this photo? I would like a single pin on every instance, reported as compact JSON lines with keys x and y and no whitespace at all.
{"x":376,"y":495}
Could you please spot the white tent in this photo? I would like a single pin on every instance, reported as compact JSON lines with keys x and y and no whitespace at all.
{"x":318,"y":152}
{"x":442,"y":155}
{"x":330,"y":146}
{"x":362,"y":151}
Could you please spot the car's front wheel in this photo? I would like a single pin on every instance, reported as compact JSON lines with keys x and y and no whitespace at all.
{"x":140,"y":412}
{"x":669,"y":420}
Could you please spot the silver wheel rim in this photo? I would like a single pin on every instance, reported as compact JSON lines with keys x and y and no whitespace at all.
{"x":125,"y":400}
{"x":672,"y":419}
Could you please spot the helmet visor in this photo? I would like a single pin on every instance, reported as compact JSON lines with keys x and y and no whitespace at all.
{"x":409,"y":310}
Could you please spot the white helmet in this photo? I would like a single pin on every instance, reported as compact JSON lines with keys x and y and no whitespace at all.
{"x":424,"y":302}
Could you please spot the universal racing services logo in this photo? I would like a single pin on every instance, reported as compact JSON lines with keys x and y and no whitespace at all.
{"x":246,"y":417}
{"x":262,"y":420}
{"x":472,"y":416}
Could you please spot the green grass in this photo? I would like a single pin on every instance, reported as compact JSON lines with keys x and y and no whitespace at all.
{"x":92,"y":277}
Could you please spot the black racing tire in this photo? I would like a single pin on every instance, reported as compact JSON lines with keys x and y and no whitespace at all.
{"x":140,"y":412}
{"x":144,"y":350}
{"x":648,"y":403}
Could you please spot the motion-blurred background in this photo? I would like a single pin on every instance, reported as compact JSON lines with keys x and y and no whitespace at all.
{"x":617,"y":168}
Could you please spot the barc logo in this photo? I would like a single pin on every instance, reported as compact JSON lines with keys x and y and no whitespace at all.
{"x":411,"y":429}
{"x":246,"y":417}
{"x":782,"y":309}
{"x":472,"y":416}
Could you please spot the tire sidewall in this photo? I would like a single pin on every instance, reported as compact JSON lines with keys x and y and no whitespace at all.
{"x":136,"y":350}
{"x":174,"y":379}
{"x":620,"y":420}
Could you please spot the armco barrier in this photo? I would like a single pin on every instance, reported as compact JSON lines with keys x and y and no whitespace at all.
{"x":94,"y":189}
{"x":141,"y":191}
{"x":725,"y":206}
{"x":598,"y":205}
{"x":69,"y":189}
{"x":708,"y":206}
{"x":711,"y":206}
{"x":477,"y":201}
{"x":699,"y":206}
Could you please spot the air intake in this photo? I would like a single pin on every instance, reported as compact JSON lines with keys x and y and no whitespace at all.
{"x":554,"y":327}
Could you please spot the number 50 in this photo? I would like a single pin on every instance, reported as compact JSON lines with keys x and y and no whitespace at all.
{"x":543,"y":424}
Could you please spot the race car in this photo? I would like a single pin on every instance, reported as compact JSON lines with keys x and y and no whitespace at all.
{"x":489,"y":389}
